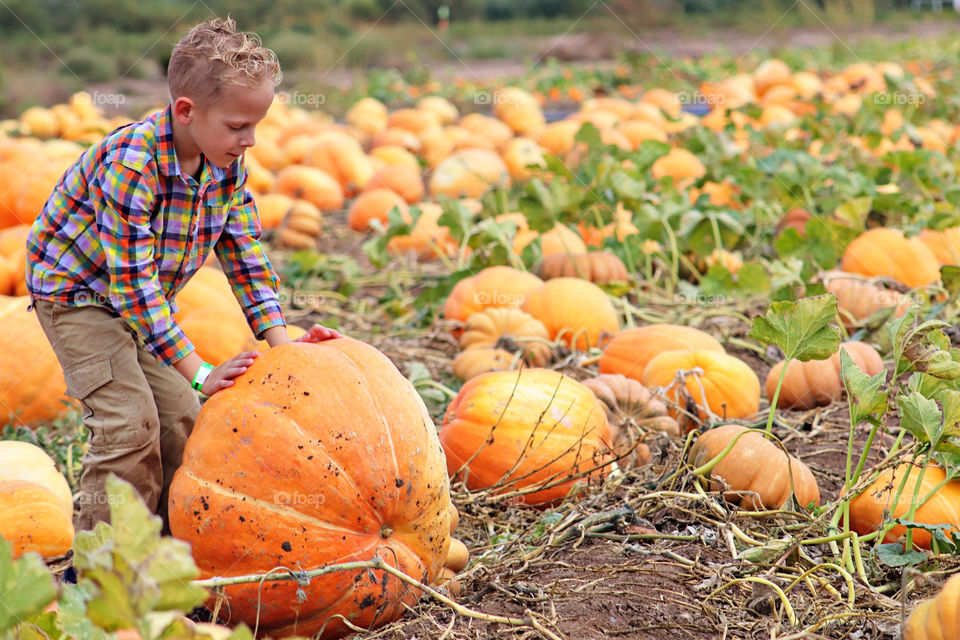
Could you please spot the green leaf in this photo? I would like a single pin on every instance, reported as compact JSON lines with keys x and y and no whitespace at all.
{"x":894,"y":555}
{"x":866,"y":395}
{"x":801,"y":329}
{"x":923,"y":347}
{"x":921,"y":417}
{"x":129,"y":569}
{"x":72,"y":615}
{"x":854,"y":212}
{"x":26,"y":586}
{"x":949,"y":400}
{"x":950,"y":275}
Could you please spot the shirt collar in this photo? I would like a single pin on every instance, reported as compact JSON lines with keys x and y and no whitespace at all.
{"x":167,"y":160}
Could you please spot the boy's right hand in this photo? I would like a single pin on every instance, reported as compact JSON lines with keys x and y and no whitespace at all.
{"x":222,"y":375}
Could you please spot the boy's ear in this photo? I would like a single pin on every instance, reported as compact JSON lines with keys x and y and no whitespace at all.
{"x":184,"y":109}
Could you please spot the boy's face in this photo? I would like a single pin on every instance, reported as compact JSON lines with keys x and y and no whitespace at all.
{"x":223,"y":129}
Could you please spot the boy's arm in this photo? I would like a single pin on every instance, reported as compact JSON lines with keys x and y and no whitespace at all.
{"x":248,"y":269}
{"x":124,"y":200}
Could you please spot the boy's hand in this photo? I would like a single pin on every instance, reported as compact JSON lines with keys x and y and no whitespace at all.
{"x":222,"y":376}
{"x":319,"y":333}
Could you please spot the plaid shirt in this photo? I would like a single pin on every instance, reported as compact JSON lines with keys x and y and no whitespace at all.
{"x":125,"y":229}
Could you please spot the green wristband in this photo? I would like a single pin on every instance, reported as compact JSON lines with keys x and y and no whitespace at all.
{"x":201,"y":376}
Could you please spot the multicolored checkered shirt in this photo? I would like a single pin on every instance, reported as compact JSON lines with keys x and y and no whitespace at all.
{"x":125,"y":229}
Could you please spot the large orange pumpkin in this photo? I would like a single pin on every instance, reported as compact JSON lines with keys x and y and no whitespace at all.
{"x":375,"y":204}
{"x":31,"y":381}
{"x":36,"y":506}
{"x":533,"y":428}
{"x":867,"y":509}
{"x":319,"y":454}
{"x":755,"y":471}
{"x":311,"y":184}
{"x":631,"y":349}
{"x":727,"y":385}
{"x":817,"y":383}
{"x":492,"y":287}
{"x":886,"y":252}
{"x":573,"y":310}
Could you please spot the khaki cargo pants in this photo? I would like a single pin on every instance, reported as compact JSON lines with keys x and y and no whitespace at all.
{"x":138,"y":412}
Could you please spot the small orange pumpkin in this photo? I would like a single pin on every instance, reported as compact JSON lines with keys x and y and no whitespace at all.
{"x":573,"y":310}
{"x":937,"y":617}
{"x":631,"y":349}
{"x":36,"y":506}
{"x":945,"y":244}
{"x":858,"y":299}
{"x":510,"y":329}
{"x":755,"y":472}
{"x":533,"y":429}
{"x":817,"y":383}
{"x":473,"y":362}
{"x":886,"y":252}
{"x":492,"y":287}
{"x":375,"y":204}
{"x":726,"y":384}
{"x":598,"y":267}
{"x":867,"y":509}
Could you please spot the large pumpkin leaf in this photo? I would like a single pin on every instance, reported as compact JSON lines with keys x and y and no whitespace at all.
{"x":801,"y":329}
{"x":131,"y":571}
{"x":921,"y":417}
{"x":868,"y":400}
{"x":26,"y":586}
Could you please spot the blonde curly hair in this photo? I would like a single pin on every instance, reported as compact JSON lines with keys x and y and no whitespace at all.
{"x":213,"y":55}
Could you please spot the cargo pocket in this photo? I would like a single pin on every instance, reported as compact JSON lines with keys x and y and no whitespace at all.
{"x":86,"y":376}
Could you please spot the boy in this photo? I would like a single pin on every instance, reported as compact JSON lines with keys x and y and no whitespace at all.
{"x":124,"y":230}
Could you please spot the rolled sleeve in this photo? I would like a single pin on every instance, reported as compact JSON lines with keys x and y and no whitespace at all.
{"x":246,"y":265}
{"x":124,"y":200}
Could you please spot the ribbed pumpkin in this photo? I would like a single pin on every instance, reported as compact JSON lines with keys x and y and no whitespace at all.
{"x":510,"y":329}
{"x":474,"y":362}
{"x":533,"y":428}
{"x":817,"y":383}
{"x":598,"y":267}
{"x":492,"y":287}
{"x":311,"y":184}
{"x":886,"y":252}
{"x":945,"y":244}
{"x":468,"y":173}
{"x":728,"y":385}
{"x":679,"y":164}
{"x":937,"y":618}
{"x":36,"y":506}
{"x":31,"y":380}
{"x":631,"y":349}
{"x":559,"y":239}
{"x":573,"y":310}
{"x":857,"y":299}
{"x":753,"y":465}
{"x":943,"y":507}
{"x":319,"y":454}
{"x":375,"y":204}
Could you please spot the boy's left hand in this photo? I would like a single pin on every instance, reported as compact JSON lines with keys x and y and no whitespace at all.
{"x":319,"y":333}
